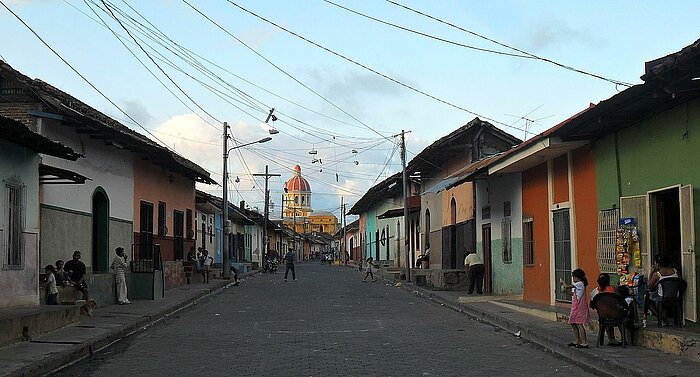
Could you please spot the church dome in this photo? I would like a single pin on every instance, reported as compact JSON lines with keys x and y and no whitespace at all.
{"x":297,"y":183}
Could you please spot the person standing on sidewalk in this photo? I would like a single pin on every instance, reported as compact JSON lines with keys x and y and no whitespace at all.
{"x":207,"y":260}
{"x":579,"y":315}
{"x":475,"y":270}
{"x":119,"y":266}
{"x":368,"y":269}
{"x":51,"y":289}
{"x":289,"y":263}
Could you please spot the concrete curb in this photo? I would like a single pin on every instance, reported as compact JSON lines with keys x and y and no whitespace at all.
{"x":587,"y":361}
{"x":74,"y":354}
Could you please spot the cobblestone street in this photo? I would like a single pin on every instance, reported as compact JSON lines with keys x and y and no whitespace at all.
{"x":327,"y":323}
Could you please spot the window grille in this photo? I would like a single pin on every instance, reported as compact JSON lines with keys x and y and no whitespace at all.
{"x":15,"y":226}
{"x":505,"y":241}
{"x":506,"y":209}
{"x":608,"y":220}
{"x":486,"y":212}
{"x":528,"y":242}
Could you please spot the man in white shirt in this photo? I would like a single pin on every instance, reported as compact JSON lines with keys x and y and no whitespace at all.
{"x":475,"y":270}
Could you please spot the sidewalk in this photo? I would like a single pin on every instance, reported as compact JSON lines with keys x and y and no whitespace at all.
{"x":553,"y":336}
{"x":50,"y":351}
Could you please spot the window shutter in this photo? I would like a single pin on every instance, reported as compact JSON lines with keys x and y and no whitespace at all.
{"x":607,"y":225}
{"x":688,"y":251}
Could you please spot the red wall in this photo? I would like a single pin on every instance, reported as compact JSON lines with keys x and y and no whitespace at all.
{"x":535,"y":204}
{"x":586,"y":208}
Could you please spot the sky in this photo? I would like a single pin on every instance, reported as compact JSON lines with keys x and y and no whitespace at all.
{"x":228,"y":65}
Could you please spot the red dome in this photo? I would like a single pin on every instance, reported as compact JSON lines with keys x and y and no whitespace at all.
{"x":297,"y":183}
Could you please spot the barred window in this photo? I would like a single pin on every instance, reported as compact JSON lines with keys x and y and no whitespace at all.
{"x":505,"y":241}
{"x":528,"y":242}
{"x":15,"y":225}
{"x":608,"y":220}
{"x":486,"y":212}
{"x":506,"y":209}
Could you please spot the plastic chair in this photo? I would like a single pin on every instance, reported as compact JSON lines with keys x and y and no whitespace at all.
{"x":673,"y":289}
{"x":612,"y":311}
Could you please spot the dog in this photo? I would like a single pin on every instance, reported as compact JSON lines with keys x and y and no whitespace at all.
{"x":87,"y":308}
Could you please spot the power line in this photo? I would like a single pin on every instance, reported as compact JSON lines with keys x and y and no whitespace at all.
{"x":396,"y":81}
{"x":428,"y":35}
{"x":616,"y":82}
{"x":81,"y":75}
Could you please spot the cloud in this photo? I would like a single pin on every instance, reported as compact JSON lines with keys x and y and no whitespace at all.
{"x":138,"y":111}
{"x":258,"y":36}
{"x":554,"y":32}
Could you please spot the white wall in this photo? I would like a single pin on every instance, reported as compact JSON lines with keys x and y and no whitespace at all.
{"x":107,"y":166}
{"x":496,"y":190}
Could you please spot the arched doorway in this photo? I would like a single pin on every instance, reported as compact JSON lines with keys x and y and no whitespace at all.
{"x":100,"y":230}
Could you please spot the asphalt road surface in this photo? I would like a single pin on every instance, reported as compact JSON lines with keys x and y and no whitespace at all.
{"x":326,"y":323}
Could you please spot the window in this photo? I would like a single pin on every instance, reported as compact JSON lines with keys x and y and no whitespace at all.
{"x":427,"y":228}
{"x":486,"y":212}
{"x":303,"y":199}
{"x":15,"y":225}
{"x":608,"y":221}
{"x":506,"y":209}
{"x":188,"y":222}
{"x":528,"y":242}
{"x":178,"y":234}
{"x":146,"y":230}
{"x":505,"y":241}
{"x":296,"y":199}
{"x":162,"y":229}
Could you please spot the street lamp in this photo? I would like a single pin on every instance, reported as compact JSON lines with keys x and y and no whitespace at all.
{"x":227,"y":222}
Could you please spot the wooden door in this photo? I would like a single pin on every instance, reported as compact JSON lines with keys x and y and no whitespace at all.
{"x":688,"y":251}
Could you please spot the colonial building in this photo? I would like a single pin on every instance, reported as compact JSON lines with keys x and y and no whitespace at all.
{"x":298,"y":214}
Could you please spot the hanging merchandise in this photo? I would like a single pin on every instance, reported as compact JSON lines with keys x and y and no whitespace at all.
{"x":635,"y":249}
{"x":621,"y":254}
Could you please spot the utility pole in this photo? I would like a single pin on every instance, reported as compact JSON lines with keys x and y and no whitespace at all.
{"x":342,"y":228}
{"x":405,"y":205}
{"x":345,"y":236}
{"x":227,"y":226}
{"x":267,"y":176}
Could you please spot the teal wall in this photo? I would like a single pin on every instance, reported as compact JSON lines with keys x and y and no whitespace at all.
{"x":506,"y":278}
{"x":371,"y":229}
{"x":658,"y":152}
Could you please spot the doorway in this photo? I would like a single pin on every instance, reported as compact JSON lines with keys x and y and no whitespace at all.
{"x":562,"y":251}
{"x":453,"y":234}
{"x":486,"y":239}
{"x":666,"y":225}
{"x":100,"y":231}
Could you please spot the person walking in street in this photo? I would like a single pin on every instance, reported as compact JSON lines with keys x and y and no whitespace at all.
{"x":76,"y":274}
{"x":579,"y":315}
{"x":369,"y":270}
{"x":51,"y":288}
{"x":289,"y":263}
{"x":207,"y":260}
{"x":119,"y":266}
{"x":475,"y":270}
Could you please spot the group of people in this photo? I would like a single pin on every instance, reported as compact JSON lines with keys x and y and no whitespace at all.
{"x":202,"y":262}
{"x":580,"y":315}
{"x":73,"y":273}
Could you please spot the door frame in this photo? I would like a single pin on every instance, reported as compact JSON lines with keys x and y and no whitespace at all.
{"x":488,"y":271}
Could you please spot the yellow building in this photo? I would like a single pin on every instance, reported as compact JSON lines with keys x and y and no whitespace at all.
{"x":298,"y":213}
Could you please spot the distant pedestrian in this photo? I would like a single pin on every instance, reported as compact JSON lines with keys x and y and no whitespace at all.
{"x":119,"y":266}
{"x":368,"y":270}
{"x":289,"y":264}
{"x":51,"y":289}
{"x":475,"y":270}
{"x":579,"y":315}
{"x":206,"y":261}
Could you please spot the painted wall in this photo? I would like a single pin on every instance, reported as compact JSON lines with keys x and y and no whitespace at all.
{"x":560,"y":179}
{"x":535,"y":204}
{"x":106,"y":166}
{"x":507,"y":278}
{"x":464,"y":199}
{"x":433,"y":203}
{"x":154,"y":184}
{"x":656,"y":153}
{"x":585,"y":212}
{"x":20,"y":165}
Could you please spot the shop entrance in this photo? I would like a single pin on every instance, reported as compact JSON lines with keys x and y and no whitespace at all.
{"x":665,"y":225}
{"x":486,"y":239}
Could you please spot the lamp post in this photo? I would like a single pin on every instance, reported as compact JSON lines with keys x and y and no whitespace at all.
{"x":226,"y":222}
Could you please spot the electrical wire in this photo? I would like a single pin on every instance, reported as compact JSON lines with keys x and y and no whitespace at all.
{"x":616,"y":82}
{"x":82,"y":76}
{"x":429,"y":35}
